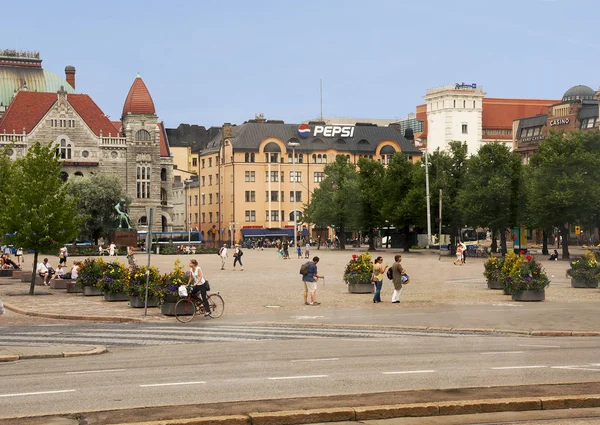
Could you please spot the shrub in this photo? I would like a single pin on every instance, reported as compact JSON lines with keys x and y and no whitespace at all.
{"x":585,"y":269}
{"x":493,"y":268}
{"x":359,"y":269}
{"x":523,"y":273}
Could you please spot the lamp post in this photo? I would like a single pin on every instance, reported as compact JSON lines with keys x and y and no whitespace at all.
{"x":293,"y":145}
{"x":428,"y":200}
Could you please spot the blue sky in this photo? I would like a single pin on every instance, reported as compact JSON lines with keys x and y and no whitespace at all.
{"x":209,"y":62}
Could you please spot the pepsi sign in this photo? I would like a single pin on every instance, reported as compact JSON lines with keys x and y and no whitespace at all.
{"x":304,"y":131}
{"x":333,"y":131}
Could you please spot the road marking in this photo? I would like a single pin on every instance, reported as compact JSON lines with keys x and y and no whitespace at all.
{"x":577,"y":367}
{"x":96,"y":371}
{"x":314,"y":360}
{"x":517,"y":367}
{"x":37,"y":393}
{"x":407,"y":371}
{"x":277,"y":378}
{"x":173,"y":383}
{"x":539,"y":346}
{"x":503,"y":352}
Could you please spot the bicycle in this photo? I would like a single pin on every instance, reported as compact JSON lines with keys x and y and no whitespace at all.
{"x":187,"y":307}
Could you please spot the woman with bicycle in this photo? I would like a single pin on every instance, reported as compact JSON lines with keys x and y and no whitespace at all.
{"x":198,"y":281}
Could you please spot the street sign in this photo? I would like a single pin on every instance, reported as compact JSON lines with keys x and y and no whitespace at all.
{"x":577,"y":230}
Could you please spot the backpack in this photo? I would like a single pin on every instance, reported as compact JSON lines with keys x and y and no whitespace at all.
{"x":304,"y":268}
{"x":390,"y":274}
{"x":240,"y":252}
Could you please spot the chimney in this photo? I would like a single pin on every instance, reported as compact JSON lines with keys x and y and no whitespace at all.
{"x":227,"y":131}
{"x":70,"y":75}
{"x":409,"y":135}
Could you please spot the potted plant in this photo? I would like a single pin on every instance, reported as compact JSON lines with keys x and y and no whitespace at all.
{"x":91,"y":272}
{"x":358,"y":273}
{"x":169,"y":287}
{"x":526,"y":280}
{"x":493,"y":272}
{"x":113,"y":282}
{"x":135,"y":287}
{"x":585,"y":271}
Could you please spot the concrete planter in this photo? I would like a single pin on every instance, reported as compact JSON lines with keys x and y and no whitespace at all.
{"x":58,"y":284}
{"x":92,"y":291}
{"x":580,"y":283}
{"x":529,"y":295}
{"x":361,"y":288}
{"x":72,"y":287}
{"x":495,"y":284}
{"x":17,"y":274}
{"x":115,"y":296}
{"x":138,"y":302}
{"x":9,"y":272}
{"x":168,"y":309}
{"x":26,"y":276}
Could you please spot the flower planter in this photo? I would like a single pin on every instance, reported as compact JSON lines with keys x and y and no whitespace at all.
{"x":17,"y":274}
{"x":495,"y":284}
{"x":58,"y":284}
{"x":138,"y":302}
{"x":72,"y":287}
{"x":92,"y":291}
{"x":529,"y":295}
{"x":116,"y":296}
{"x":9,"y":272}
{"x":168,"y":309}
{"x":580,"y":283}
{"x":361,"y":288}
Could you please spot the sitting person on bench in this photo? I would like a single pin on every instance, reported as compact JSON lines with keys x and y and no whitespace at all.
{"x":60,"y":272}
{"x":7,"y":263}
{"x":45,"y":270}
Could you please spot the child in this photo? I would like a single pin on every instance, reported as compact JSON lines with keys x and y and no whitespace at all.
{"x":307,"y":250}
{"x":299,"y":251}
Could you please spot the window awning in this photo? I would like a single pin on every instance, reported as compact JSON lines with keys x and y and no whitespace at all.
{"x":279,"y":233}
{"x":305,"y":232}
{"x":253,"y":233}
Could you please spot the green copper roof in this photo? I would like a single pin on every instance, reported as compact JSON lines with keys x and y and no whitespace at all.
{"x":12,"y":78}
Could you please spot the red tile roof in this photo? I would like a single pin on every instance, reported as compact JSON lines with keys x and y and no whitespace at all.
{"x":118,"y":125}
{"x":92,"y":114}
{"x":28,"y":108}
{"x":138,"y":99}
{"x":500,"y":113}
{"x":164,"y":146}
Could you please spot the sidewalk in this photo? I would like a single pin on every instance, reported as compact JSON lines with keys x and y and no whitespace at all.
{"x":13,"y":353}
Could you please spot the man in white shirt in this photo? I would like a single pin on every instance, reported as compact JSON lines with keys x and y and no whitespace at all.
{"x":223,"y":255}
{"x":44,"y":269}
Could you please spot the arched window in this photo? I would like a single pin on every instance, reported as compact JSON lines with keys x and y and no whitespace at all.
{"x":64,"y":150}
{"x":142,"y":136}
{"x":143,"y":221}
{"x":301,"y":158}
{"x":251,"y":157}
{"x":473,"y":104}
{"x":314,"y":159}
{"x":455,"y":104}
{"x":163,"y":197}
{"x":79,"y":174}
{"x":163,"y":174}
{"x":464,"y":103}
{"x":324,"y":159}
{"x":319,"y":159}
{"x":247,"y":157}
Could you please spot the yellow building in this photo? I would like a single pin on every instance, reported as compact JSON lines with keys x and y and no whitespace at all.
{"x":248,"y":181}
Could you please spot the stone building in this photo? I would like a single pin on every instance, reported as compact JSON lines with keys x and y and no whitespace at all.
{"x":135,"y":148}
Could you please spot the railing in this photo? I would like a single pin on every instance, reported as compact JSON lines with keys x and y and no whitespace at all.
{"x":114,"y":140}
{"x":8,"y":138}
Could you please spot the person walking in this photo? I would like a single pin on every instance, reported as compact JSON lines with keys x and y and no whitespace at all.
{"x":111,"y":249}
{"x":130,"y":257}
{"x":237,"y":256}
{"x":19,"y":255}
{"x":223,"y":255}
{"x":199,"y":285}
{"x":63,"y":254}
{"x":307,"y":250}
{"x":397,"y":272}
{"x":377,"y":279}
{"x":309,"y":279}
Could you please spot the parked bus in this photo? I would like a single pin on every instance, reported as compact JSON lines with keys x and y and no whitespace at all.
{"x":171,"y":238}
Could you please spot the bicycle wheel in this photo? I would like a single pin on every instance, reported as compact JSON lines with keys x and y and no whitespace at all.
{"x":185,"y":310}
{"x":217,"y":305}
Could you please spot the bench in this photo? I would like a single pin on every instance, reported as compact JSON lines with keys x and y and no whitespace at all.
{"x":6,"y":272}
{"x":72,"y":287}
{"x":16,"y":274}
{"x":58,"y":283}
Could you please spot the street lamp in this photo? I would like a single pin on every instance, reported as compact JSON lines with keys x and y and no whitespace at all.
{"x":188,"y":214}
{"x":427,"y":196}
{"x":293,"y":145}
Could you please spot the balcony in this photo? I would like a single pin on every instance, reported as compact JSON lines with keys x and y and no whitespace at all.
{"x":114,"y":141}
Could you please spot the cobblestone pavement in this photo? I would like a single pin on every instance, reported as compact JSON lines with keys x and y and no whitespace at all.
{"x":271,"y":288}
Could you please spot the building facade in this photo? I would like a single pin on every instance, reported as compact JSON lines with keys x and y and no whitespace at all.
{"x":462,"y":112}
{"x":135,"y":148}
{"x":249,"y":180}
{"x":578,"y":110}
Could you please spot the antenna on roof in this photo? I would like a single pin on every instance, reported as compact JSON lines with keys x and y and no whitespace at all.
{"x":321,"y":97}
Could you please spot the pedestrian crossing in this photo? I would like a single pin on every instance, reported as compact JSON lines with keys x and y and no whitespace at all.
{"x":141,"y":334}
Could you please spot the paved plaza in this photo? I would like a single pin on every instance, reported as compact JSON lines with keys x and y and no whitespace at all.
{"x":440,"y":294}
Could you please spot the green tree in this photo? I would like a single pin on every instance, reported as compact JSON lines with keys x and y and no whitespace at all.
{"x":563,"y":188}
{"x":335,"y":201}
{"x":97,"y":196}
{"x":370,"y":181}
{"x":39,"y":210}
{"x":404,"y":188}
{"x":5,"y":176}
{"x":492,"y":194}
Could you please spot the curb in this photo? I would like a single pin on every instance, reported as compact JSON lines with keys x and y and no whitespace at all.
{"x":294,"y":417}
{"x":98,"y":349}
{"x":113,"y":319}
{"x":436,"y":329}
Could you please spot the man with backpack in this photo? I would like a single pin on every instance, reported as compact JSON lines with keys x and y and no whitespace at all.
{"x":223,"y":255}
{"x":398,"y":276}
{"x":309,"y":274}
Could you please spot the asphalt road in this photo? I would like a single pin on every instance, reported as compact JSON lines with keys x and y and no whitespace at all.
{"x":260,"y":369}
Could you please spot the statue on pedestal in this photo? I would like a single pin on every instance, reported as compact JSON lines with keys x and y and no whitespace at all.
{"x":123,"y":218}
